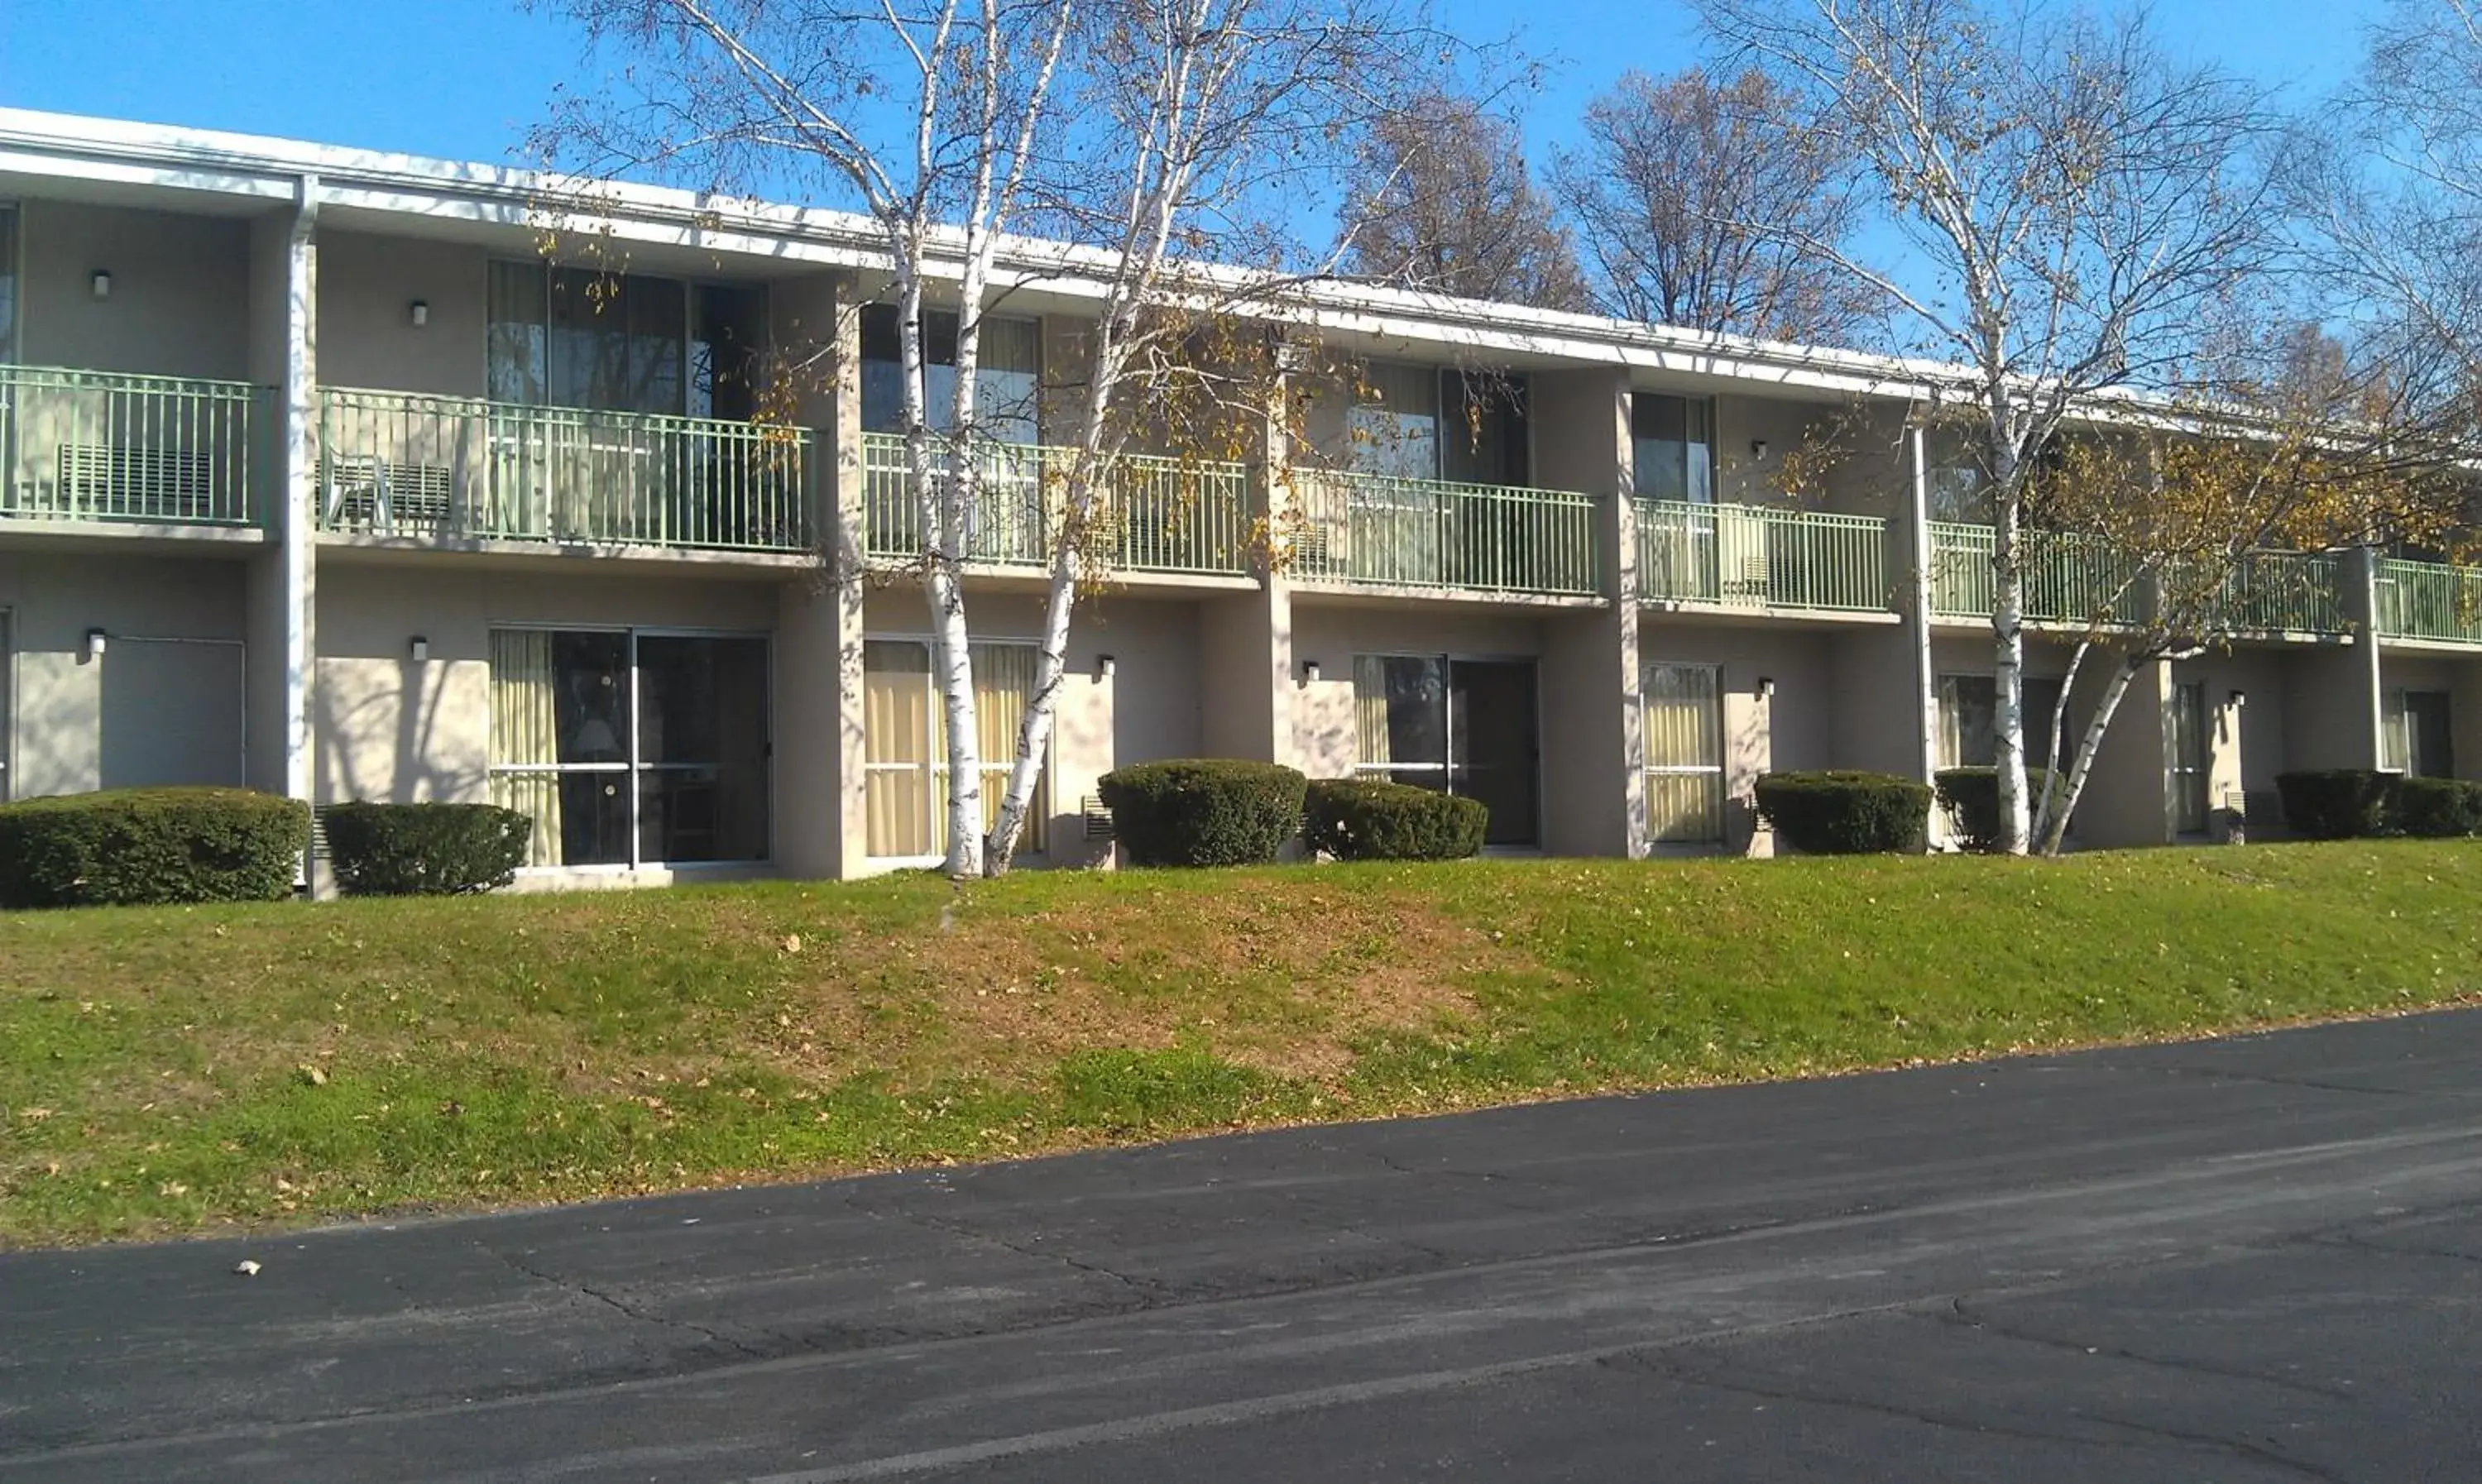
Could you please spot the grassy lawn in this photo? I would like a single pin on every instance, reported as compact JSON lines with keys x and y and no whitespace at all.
{"x":173,"y":1070}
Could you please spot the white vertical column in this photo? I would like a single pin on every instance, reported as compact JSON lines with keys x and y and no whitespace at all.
{"x":1913,"y":596}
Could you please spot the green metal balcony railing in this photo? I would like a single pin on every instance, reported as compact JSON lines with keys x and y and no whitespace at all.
{"x":1752,"y":556}
{"x":1425,"y":533}
{"x":96,"y":445}
{"x":1163,"y":514}
{"x":2068,"y":578}
{"x":2285,"y":592}
{"x":2430,"y":601}
{"x":423,"y":468}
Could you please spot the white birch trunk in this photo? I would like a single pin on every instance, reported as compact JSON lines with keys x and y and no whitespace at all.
{"x":2008,"y":636}
{"x":2050,"y":808}
{"x":2088,"y":745}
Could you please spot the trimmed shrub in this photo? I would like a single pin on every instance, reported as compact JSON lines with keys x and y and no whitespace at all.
{"x":1840,"y":813}
{"x":424,"y":849}
{"x":2438,"y":808}
{"x":1203,"y":811}
{"x":130,"y":846}
{"x":1971,"y":799}
{"x":2338,"y":804}
{"x":1366,"y":819}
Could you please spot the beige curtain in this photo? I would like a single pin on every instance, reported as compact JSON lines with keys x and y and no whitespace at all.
{"x":905,"y":742}
{"x":898,"y":721}
{"x":2395,"y":733}
{"x":1684,"y":754}
{"x":1370,"y":741}
{"x":525,"y":734}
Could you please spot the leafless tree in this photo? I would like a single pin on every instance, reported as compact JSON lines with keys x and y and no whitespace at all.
{"x":1663,"y":191}
{"x":1159,"y":138}
{"x":1445,"y":201}
{"x":2067,"y":198}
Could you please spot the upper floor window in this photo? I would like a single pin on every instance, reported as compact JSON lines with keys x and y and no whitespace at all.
{"x":1008,"y":374}
{"x":1425,"y":422}
{"x":580,"y":337}
{"x":8,"y":282}
{"x":1674,"y":448}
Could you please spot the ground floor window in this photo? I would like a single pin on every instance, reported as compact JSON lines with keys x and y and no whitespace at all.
{"x":2189,"y":759}
{"x":632,"y":747}
{"x":1464,"y":727}
{"x":1968,"y":720}
{"x":1684,"y":752}
{"x":906,"y":748}
{"x":2418,"y":735}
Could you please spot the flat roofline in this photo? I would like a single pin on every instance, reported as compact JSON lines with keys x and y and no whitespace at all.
{"x":388,"y":182}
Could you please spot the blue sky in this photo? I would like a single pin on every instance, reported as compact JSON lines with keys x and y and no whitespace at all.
{"x":463,"y":78}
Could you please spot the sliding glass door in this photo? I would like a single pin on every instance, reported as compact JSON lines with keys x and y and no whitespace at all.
{"x":632,"y":748}
{"x":1466,"y":727}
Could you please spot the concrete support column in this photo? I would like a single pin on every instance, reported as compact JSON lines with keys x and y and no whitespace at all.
{"x":280,"y":595}
{"x":2366,"y":696}
{"x":821,"y":802}
{"x":1908,"y":554}
{"x":1594,"y":742}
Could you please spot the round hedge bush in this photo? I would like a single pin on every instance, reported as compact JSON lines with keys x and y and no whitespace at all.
{"x":132,"y":846}
{"x":1971,"y":799}
{"x":1368,"y":819}
{"x":2338,"y":804}
{"x":1842,"y":813}
{"x":424,"y":849}
{"x":1204,"y":811}
{"x":2438,"y":808}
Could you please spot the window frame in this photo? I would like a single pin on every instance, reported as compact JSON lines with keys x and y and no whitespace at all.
{"x":632,"y":767}
{"x":1033,"y":417}
{"x":685,"y":368}
{"x":1703,"y":409}
{"x":2191,"y":778}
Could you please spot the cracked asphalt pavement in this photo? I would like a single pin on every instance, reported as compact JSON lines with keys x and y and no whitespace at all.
{"x":2248,"y":1259}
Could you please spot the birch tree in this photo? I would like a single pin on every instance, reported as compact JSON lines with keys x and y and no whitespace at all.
{"x":1151,"y":139}
{"x":2062,"y":199}
{"x":2207,"y":514}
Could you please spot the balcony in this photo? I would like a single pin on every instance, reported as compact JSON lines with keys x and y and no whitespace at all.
{"x":1183,"y":517}
{"x":2285,"y":592}
{"x":2430,"y":601}
{"x":152,"y":450}
{"x":1423,"y":533}
{"x":428,"y":468}
{"x":2068,"y":578}
{"x":1747,"y":556}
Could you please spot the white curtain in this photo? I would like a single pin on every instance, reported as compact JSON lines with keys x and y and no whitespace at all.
{"x":905,"y":743}
{"x":1684,"y":754}
{"x":525,"y":734}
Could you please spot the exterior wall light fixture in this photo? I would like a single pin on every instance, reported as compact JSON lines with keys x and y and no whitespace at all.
{"x":102,"y":283}
{"x":1106,"y":666}
{"x":96,"y":641}
{"x":419,"y":311}
{"x":1310,"y":672}
{"x":2241,"y":699}
{"x":421,"y":648}
{"x":1766,"y":687}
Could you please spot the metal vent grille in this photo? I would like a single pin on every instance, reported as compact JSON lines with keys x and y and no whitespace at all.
{"x":1097,"y":817}
{"x":381,"y":495}
{"x":120,"y":477}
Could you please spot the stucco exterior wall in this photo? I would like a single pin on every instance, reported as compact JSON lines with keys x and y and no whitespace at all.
{"x":387,"y":727}
{"x":164,"y":704}
{"x":2327,"y":720}
{"x":180,"y":298}
{"x":2461,"y":678}
{"x":367,"y":338}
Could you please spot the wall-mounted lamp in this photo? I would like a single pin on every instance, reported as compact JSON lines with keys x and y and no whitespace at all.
{"x":1766,"y":687}
{"x":96,"y":640}
{"x":1758,"y":448}
{"x":1105,"y":666}
{"x":418,"y":311}
{"x":102,"y":282}
{"x":2241,"y":699}
{"x":1310,"y":672}
{"x":421,"y":648}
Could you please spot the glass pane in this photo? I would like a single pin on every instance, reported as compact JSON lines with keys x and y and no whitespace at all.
{"x":1684,"y":809}
{"x":616,"y":341}
{"x":1670,"y":448}
{"x":1493,"y":741}
{"x":1008,"y":380}
{"x":2395,"y":743}
{"x":514,"y":338}
{"x":1483,"y":428}
{"x":2429,"y":735}
{"x":590,"y":673}
{"x":1395,"y":429}
{"x":898,"y":801}
{"x":728,"y":352}
{"x":1968,"y":704}
{"x":702,"y":722}
{"x":594,"y":818}
{"x":1684,"y":717}
{"x":1401,"y":710}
